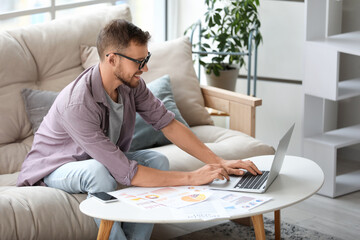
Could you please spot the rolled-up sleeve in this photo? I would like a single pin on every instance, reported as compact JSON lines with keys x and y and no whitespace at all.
{"x":150,"y":108}
{"x":83,"y":125}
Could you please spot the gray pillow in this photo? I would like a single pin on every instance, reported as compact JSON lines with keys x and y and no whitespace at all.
{"x":37,"y":105}
{"x":145,"y":136}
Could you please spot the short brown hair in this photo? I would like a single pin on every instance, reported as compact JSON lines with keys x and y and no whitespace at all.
{"x":118,"y":34}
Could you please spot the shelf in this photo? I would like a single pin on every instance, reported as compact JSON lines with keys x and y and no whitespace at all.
{"x":348,"y":89}
{"x":347,"y":183}
{"x":330,"y":87}
{"x":345,"y":43}
{"x":338,"y":138}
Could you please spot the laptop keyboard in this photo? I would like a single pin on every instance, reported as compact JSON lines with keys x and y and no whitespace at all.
{"x":249,"y":181}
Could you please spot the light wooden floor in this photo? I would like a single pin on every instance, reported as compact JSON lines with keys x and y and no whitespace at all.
{"x":339,"y":217}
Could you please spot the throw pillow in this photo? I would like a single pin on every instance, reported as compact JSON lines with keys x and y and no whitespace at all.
{"x":175,"y":59}
{"x":89,"y":56}
{"x":145,"y":136}
{"x":37,"y":105}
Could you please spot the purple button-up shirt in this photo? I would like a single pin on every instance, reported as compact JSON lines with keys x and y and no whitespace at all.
{"x":76,"y":126}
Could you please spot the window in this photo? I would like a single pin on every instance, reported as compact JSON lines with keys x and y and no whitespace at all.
{"x":148,"y":15}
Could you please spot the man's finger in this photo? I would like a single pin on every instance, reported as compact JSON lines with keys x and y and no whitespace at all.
{"x":225,"y":174}
{"x":235,"y":171}
{"x":251,"y":167}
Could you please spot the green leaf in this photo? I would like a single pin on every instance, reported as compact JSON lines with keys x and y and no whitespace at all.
{"x":216,"y":71}
{"x":211,"y":24}
{"x":226,"y":9}
{"x":217,"y":18}
{"x":206,"y":45}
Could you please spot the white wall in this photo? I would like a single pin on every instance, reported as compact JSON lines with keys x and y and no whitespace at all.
{"x":280,"y":56}
{"x":283,"y":30}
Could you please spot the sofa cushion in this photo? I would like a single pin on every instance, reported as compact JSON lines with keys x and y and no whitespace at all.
{"x":37,"y":105}
{"x":228,"y":144}
{"x":12,"y":155}
{"x":145,"y":136}
{"x":43,"y":213}
{"x":9,"y":179}
{"x":175,"y":59}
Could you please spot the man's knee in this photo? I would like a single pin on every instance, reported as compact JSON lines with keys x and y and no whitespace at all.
{"x":160,"y":162}
{"x":99,"y":179}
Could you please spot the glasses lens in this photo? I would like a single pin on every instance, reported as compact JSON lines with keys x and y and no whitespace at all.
{"x":143,"y":62}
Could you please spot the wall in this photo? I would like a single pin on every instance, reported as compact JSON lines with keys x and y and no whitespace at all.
{"x":280,"y":57}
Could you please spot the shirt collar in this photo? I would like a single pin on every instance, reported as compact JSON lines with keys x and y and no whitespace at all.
{"x":97,"y":87}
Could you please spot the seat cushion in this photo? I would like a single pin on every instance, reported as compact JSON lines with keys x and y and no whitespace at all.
{"x":228,"y":144}
{"x":43,"y":213}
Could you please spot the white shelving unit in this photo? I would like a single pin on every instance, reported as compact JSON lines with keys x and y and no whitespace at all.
{"x":324,"y":87}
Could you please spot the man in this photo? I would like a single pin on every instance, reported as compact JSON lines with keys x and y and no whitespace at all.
{"x":82,"y":144}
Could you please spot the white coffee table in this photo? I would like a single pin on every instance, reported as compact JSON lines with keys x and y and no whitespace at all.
{"x":299,"y":178}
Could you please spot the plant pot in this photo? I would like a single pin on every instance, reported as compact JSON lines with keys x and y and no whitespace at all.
{"x":226,"y":80}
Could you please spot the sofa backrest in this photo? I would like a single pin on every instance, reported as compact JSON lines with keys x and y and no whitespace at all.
{"x":46,"y":57}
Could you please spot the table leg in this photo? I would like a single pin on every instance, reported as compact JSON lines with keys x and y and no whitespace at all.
{"x":258,"y":222}
{"x":105,"y":229}
{"x":277,"y":225}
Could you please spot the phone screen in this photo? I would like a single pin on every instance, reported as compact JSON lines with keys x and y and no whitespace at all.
{"x":105,"y":197}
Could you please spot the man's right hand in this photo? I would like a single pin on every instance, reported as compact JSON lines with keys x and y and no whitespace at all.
{"x":150,"y":177}
{"x":207,"y":174}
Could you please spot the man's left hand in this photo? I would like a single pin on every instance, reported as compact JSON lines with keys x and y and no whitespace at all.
{"x":233,"y":167}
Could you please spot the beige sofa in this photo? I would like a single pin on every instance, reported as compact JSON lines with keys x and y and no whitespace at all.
{"x":51,"y":55}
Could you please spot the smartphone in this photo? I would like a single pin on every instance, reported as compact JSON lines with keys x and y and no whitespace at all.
{"x":104,"y":197}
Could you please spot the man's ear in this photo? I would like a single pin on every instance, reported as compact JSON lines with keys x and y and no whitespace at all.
{"x":112,"y":59}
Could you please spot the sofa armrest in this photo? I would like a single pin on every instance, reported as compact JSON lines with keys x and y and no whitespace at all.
{"x":240,"y":107}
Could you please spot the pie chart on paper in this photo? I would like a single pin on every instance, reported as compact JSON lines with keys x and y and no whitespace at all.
{"x":196,"y":197}
{"x":152,"y":196}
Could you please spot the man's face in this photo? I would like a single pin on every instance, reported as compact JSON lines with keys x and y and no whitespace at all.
{"x":127,"y":71}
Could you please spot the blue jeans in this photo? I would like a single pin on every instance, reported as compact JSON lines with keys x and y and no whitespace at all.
{"x":91,"y":176}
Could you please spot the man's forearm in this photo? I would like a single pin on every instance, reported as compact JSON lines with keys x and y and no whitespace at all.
{"x":185,"y":139}
{"x":150,"y":177}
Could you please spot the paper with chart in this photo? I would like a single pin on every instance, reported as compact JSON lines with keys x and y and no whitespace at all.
{"x":191,"y":202}
{"x":241,"y":202}
{"x":174,"y":197}
{"x":221,"y":204}
{"x":206,"y":210}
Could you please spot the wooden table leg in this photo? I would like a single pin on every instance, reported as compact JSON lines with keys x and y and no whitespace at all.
{"x":105,"y":229}
{"x":277,"y":225}
{"x":258,"y":223}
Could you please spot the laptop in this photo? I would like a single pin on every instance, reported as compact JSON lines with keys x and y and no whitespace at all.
{"x":258,"y":183}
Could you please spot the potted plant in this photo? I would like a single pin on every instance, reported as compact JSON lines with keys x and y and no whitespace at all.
{"x":226,"y":28}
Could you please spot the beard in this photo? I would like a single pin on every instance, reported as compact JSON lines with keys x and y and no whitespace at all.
{"x":130,"y":83}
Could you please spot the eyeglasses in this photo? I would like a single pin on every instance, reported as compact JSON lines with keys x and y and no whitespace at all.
{"x":141,"y":63}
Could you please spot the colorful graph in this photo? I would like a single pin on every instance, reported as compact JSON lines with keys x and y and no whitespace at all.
{"x":152,"y":196}
{"x":197,"y":197}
